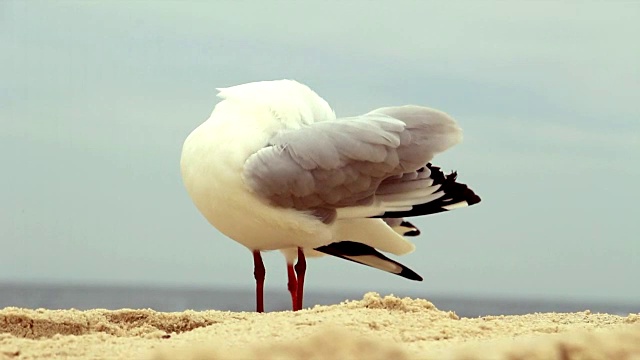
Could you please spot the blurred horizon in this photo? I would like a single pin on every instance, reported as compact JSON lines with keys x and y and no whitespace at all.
{"x":282,"y":292}
{"x":181,"y":298}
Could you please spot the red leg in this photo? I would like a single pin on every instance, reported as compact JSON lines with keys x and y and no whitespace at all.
{"x":292,"y":285}
{"x":258,"y":273}
{"x":301,"y":268}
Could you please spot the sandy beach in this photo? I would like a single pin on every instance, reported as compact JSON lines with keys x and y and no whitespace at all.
{"x":372,"y":328}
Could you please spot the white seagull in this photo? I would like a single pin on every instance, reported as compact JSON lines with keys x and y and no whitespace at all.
{"x":274,"y":169}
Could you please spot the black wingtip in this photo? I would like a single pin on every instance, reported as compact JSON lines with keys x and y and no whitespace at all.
{"x":414,"y":230}
{"x":352,"y":251}
{"x":410,"y":274}
{"x":455,"y":192}
{"x":411,"y":233}
{"x":472,"y":198}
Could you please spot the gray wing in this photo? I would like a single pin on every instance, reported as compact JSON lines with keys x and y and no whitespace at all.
{"x":341,"y":163}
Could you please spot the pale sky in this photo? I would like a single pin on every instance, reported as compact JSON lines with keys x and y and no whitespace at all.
{"x":96,"y":99}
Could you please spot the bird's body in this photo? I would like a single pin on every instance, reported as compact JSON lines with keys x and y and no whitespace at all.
{"x":213,"y":176}
{"x":214,"y":156}
{"x":213,"y":160}
{"x":272,"y":168}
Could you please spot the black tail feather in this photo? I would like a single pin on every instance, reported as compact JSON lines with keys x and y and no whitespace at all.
{"x":455,"y":193}
{"x":359,"y":253}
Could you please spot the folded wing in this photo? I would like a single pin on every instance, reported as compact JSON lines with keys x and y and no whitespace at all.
{"x":337,"y":165}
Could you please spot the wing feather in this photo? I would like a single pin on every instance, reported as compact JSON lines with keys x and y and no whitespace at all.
{"x":341,"y":163}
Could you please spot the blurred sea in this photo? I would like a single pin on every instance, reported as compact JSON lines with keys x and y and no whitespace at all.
{"x":172,"y":299}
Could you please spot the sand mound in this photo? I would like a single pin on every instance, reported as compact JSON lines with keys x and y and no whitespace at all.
{"x":372,"y":328}
{"x":36,"y":324}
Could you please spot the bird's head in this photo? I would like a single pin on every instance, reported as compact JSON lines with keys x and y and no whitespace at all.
{"x":292,"y":103}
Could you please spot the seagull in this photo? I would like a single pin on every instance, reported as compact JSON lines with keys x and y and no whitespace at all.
{"x":273,"y":168}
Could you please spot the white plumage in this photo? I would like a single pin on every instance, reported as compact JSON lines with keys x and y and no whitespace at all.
{"x":273,"y":155}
